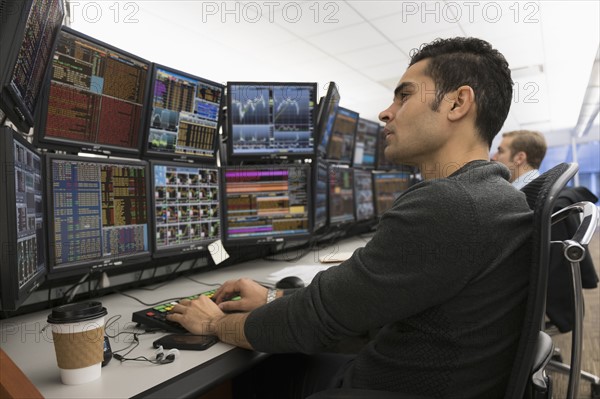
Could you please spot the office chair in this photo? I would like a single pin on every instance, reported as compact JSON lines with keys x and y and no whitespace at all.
{"x":560,"y":303}
{"x":528,"y":378}
{"x":574,"y":250}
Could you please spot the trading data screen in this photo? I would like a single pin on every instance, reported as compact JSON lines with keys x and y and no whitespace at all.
{"x":363,"y":195}
{"x":271,"y":118}
{"x":31,"y":258}
{"x":387,"y":186}
{"x":23,"y":257}
{"x":267,"y":202}
{"x":341,"y":143}
{"x":96,"y":96}
{"x":341,"y":195}
{"x":33,"y":57}
{"x":185,"y":115}
{"x":99,"y":212}
{"x":186,"y":206}
{"x":320,"y":189}
{"x":365,"y":145}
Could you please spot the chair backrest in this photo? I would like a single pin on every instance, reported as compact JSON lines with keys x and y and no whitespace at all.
{"x":541,"y":194}
{"x":574,"y":250}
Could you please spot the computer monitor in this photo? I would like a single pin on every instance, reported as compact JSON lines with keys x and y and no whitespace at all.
{"x":341,"y":143}
{"x":363,"y":195}
{"x":270,"y":120}
{"x":365,"y":144}
{"x":387,"y":186}
{"x":28,"y":31}
{"x":98,"y":213}
{"x":266,"y":203}
{"x":185,"y":117}
{"x":94,"y":99}
{"x":320,"y":190}
{"x":327,"y":109}
{"x":341,"y":195}
{"x":23,"y":256}
{"x":185,"y":207}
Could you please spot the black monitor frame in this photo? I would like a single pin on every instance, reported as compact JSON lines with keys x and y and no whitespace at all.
{"x":327,"y":109}
{"x":335,"y":135}
{"x":336,"y":221}
{"x":73,"y":145}
{"x":193,"y":247}
{"x":267,"y":238}
{"x":236,"y":156}
{"x":370,"y":128}
{"x":19,"y":99}
{"x":211,"y":155}
{"x":23,"y":259}
{"x":103,"y":261}
{"x":363,"y":177}
{"x":377,"y":194}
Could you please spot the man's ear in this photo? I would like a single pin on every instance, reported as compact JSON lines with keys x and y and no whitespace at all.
{"x":462,"y":102}
{"x":520,"y":158}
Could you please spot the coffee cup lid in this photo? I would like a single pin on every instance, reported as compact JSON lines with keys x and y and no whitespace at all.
{"x":76,"y":312}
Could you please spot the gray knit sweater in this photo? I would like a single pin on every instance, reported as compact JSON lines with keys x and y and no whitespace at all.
{"x":444,"y":277}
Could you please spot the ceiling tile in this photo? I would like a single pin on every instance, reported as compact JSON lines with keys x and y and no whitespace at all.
{"x":385,"y":8}
{"x":350,"y":38}
{"x":308,"y":18}
{"x":372,"y":56}
{"x":402,"y":26}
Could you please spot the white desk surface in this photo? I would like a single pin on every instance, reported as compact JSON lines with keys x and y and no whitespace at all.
{"x":33,"y":352}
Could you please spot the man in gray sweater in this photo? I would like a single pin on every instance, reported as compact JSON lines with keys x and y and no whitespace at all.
{"x":444,"y":278}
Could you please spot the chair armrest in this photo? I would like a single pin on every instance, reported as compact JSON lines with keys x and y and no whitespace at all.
{"x":543,"y":353}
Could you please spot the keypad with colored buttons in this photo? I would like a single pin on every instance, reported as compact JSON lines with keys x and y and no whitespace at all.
{"x":156,"y":316}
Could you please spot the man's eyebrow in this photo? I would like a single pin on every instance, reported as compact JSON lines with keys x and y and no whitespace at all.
{"x":403,"y":86}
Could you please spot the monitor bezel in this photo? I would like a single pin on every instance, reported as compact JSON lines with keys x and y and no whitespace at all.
{"x":11,"y":296}
{"x":102,"y":263}
{"x":364,"y":172}
{"x":182,"y":249}
{"x":323,"y":135}
{"x":267,"y":239}
{"x":73,"y":146}
{"x":356,"y":115}
{"x":377,"y":139}
{"x":153,"y":154}
{"x":347,"y":221}
{"x":13,"y":32}
{"x":268,"y":156}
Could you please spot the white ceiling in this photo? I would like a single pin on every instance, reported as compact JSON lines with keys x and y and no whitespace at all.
{"x":363,"y":46}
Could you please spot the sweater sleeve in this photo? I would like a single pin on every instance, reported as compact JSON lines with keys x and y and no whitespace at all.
{"x":421,"y":254}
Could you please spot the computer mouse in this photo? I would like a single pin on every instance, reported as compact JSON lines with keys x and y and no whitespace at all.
{"x":290,"y":282}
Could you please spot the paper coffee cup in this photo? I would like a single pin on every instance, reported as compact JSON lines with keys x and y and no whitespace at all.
{"x":78,"y":333}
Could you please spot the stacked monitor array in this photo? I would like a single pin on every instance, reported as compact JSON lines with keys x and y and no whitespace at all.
{"x":131,"y":169}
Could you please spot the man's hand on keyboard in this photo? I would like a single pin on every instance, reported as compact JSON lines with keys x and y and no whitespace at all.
{"x":253,"y":295}
{"x":197,"y":316}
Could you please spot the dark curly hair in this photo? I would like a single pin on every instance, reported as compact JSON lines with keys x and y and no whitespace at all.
{"x":473,"y":62}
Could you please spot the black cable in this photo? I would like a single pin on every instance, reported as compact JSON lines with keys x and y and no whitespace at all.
{"x":203,"y":283}
{"x":148,"y":304}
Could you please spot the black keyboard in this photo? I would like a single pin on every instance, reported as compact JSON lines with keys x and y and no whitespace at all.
{"x":156,"y":316}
